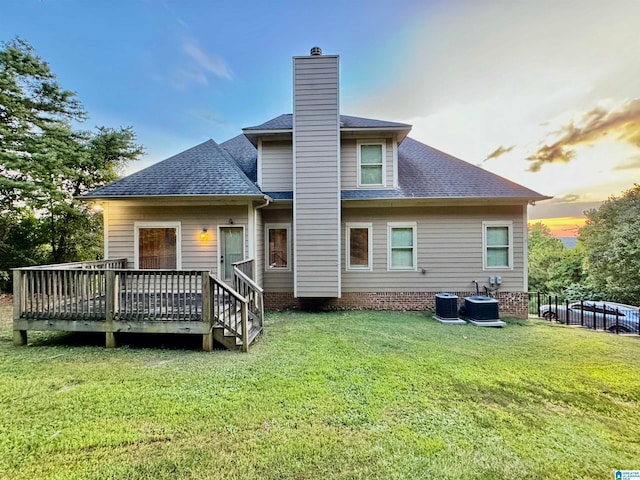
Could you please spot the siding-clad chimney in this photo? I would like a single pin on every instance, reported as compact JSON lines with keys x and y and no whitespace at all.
{"x":316,"y":175}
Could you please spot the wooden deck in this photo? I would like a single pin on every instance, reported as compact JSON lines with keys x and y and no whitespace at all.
{"x":105,"y":296}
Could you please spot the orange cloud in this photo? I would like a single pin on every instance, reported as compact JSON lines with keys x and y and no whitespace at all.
{"x":561,"y":226}
{"x":623,"y":125}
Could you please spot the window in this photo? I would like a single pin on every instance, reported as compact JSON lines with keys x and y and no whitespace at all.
{"x":498,"y":241}
{"x":401,"y":239}
{"x":371,"y":156}
{"x":359,"y":246}
{"x":157,"y":245}
{"x":278,"y":253}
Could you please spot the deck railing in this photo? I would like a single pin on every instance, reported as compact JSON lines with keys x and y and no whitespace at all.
{"x":118,"y":263}
{"x":247,"y":267}
{"x":229,"y":309}
{"x":69,"y":290}
{"x":250,"y":290}
{"x":159,"y":295}
{"x":104,"y":296}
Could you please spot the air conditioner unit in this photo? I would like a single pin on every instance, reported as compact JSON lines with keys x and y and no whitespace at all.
{"x":447,"y":305}
{"x":483,"y":311}
{"x":447,"y":308}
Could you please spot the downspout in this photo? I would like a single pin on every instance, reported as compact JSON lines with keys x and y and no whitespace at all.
{"x":267,"y":202}
{"x":267,"y":199}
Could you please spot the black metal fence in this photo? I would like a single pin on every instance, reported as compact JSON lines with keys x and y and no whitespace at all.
{"x":604,"y":316}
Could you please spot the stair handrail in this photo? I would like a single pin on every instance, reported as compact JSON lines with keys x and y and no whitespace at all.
{"x":253,"y":292}
{"x":225,"y":313}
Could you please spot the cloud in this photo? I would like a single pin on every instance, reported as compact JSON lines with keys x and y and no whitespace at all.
{"x":631,"y":163}
{"x":198,"y":67}
{"x":499,"y":152}
{"x":206,"y":61}
{"x":621,"y":125}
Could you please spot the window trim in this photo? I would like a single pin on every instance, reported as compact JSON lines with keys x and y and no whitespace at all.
{"x":390,"y":227}
{"x":497,"y":223}
{"x":156,"y":224}
{"x":276,"y":226}
{"x":383,"y":144}
{"x":347,"y":258}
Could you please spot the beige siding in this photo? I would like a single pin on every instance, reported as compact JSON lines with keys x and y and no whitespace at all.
{"x":450,"y":249}
{"x":349,"y":162}
{"x":277,"y":166}
{"x":197,"y":254}
{"x":316,"y":140}
{"x":275,"y":280}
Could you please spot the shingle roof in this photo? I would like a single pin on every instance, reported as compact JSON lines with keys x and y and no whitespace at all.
{"x":230,"y":169}
{"x":285,"y":122}
{"x":206,"y":169}
{"x":426,"y":172}
{"x":245,"y":155}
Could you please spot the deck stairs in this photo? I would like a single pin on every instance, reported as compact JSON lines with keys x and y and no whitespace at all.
{"x":235,"y":309}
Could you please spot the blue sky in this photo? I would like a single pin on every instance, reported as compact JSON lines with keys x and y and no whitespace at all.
{"x":493,"y":82}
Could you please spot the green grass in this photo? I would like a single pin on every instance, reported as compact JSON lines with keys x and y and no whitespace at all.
{"x":339,"y":395}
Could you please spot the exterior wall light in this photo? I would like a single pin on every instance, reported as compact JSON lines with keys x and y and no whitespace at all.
{"x":203,"y":234}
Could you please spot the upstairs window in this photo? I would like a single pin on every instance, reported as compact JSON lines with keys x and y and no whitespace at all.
{"x":498,"y":245}
{"x":277,"y":245}
{"x":371,"y":157}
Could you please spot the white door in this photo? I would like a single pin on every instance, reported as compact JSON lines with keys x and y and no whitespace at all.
{"x":231,"y":250}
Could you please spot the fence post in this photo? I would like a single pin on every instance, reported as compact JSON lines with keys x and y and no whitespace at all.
{"x":617,"y":322}
{"x":582,"y":313}
{"x":207,"y":338}
{"x":110,"y":303}
{"x":538,"y":303}
{"x":566,"y":312}
{"x":19,"y":336}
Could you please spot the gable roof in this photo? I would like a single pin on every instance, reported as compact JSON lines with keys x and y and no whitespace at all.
{"x":230,"y":169}
{"x":285,"y":122}
{"x":206,"y":169}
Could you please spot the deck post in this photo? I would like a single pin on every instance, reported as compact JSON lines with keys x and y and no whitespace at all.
{"x":245,"y":327}
{"x":110,"y":302}
{"x":19,"y":336}
{"x":207,"y":338}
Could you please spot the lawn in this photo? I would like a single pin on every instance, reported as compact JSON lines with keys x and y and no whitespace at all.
{"x":325,"y":395}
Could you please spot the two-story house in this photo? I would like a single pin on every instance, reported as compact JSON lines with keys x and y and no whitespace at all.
{"x":337,"y":211}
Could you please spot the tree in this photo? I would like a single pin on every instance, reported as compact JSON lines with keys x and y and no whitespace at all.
{"x":34,"y":111}
{"x":45,"y":164}
{"x":611,"y":238}
{"x":544,"y":252}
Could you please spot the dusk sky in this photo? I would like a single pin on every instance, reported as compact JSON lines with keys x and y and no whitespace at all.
{"x":545,"y":93}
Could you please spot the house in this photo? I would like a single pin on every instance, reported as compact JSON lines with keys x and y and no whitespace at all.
{"x":336,"y":210}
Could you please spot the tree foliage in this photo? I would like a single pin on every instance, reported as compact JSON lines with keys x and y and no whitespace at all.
{"x":544,"y":251}
{"x":46,"y":163}
{"x":611,"y":239}
{"x":552,"y":266}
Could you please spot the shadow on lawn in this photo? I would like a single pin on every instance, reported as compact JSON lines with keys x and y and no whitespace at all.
{"x":158,"y":341}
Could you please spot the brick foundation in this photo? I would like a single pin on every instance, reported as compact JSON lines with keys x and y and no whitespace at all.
{"x":515,"y":304}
